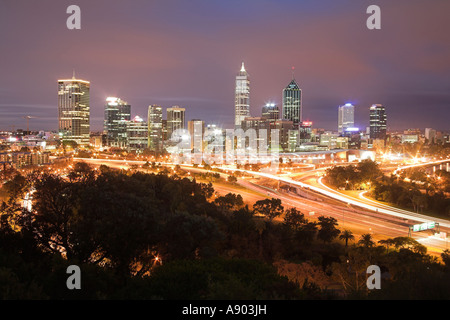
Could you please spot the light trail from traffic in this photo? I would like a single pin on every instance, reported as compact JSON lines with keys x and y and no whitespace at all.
{"x":325,"y":190}
{"x":370,"y":209}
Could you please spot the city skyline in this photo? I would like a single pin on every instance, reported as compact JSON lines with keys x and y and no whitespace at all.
{"x":197,"y":71}
{"x":202,"y":150}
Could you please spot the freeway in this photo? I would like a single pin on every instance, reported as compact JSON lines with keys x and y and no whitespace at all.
{"x":360,"y":215}
{"x":421,"y":164}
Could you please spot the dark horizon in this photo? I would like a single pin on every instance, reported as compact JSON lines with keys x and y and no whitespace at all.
{"x":188,"y":54}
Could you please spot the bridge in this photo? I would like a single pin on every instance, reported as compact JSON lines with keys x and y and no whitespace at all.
{"x":439,"y":167}
{"x":430,"y":167}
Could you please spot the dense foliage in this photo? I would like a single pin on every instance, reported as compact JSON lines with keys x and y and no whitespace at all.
{"x":150,"y":236}
{"x":358,"y":176}
{"x":411,"y":189}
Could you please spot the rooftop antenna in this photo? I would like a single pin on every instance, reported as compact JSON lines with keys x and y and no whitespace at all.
{"x":28,"y":121}
{"x":73,"y":76}
{"x":293,"y":68}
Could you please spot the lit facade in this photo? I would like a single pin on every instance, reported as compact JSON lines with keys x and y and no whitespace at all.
{"x":117,"y":114}
{"x":377,"y":121}
{"x":346,"y":117}
{"x":175,"y":120}
{"x":242,"y":97}
{"x":292,"y":103}
{"x":155,"y":128}
{"x":137,"y":134}
{"x":196,"y":128}
{"x":74,"y":110}
{"x":271,"y":112}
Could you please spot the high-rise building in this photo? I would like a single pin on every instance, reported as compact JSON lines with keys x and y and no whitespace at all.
{"x":270,"y":112}
{"x":74,"y":110}
{"x":137,"y":134}
{"x":242,"y":97}
{"x":165,"y":136}
{"x":346,"y":117}
{"x":117,"y":114}
{"x":292,"y":103}
{"x":377,"y":121}
{"x":155,"y":129}
{"x":196,"y":128}
{"x":175,"y":120}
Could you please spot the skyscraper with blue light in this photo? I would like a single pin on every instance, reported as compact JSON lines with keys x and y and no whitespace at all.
{"x":346,"y":117}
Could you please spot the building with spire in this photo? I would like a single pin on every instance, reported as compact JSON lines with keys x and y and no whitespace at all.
{"x":242,"y":97}
{"x":74,"y":110}
{"x":292,"y":103}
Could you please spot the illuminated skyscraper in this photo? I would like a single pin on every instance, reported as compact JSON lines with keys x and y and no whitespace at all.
{"x":137,"y":134}
{"x":346,"y":117}
{"x":117,"y":114}
{"x":270,"y":112}
{"x":377,"y":121}
{"x":74,"y":110}
{"x":175,"y":120}
{"x":292,"y":103}
{"x":242,"y":97}
{"x":196,"y":128}
{"x":155,"y":128}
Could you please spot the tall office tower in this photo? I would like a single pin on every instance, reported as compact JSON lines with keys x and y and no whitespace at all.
{"x":270,"y":112}
{"x":292,"y":103}
{"x":74,"y":110}
{"x":137,"y":134}
{"x":117,"y":114}
{"x":196,"y":128}
{"x":242,"y":97}
{"x":155,"y":129}
{"x":175,"y":120}
{"x":346,"y":117}
{"x":377,"y":121}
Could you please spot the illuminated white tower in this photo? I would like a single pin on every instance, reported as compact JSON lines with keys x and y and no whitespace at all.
{"x":346,"y":117}
{"x":242,"y":97}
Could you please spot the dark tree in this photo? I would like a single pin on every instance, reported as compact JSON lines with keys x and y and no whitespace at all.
{"x":270,"y":208}
{"x":327,"y":231}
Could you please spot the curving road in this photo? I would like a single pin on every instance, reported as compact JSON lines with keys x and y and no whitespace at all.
{"x":361,"y":215}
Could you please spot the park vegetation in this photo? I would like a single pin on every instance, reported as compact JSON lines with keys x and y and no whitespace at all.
{"x":411,"y":189}
{"x":146,"y":235}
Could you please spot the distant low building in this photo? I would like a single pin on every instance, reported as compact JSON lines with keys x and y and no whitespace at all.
{"x":410,"y":138}
{"x":24,"y":159}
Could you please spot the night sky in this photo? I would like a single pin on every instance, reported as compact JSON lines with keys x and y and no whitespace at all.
{"x":187,"y":53}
